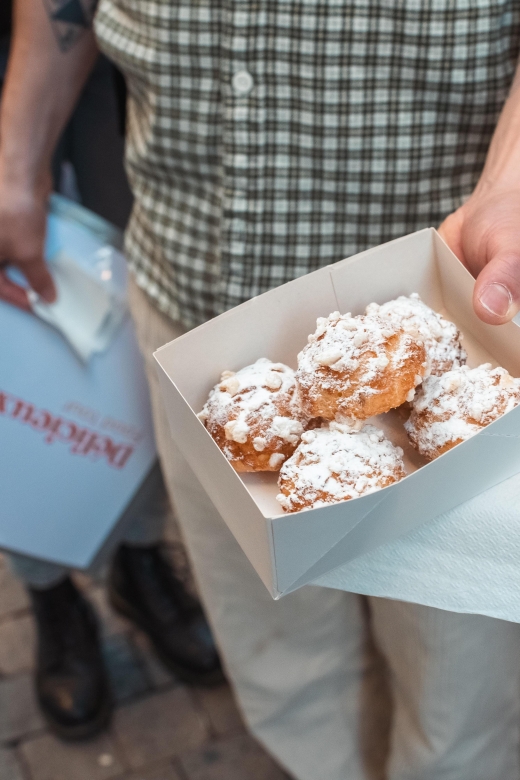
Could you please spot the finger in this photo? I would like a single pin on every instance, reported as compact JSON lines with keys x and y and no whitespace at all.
{"x":39,"y":278}
{"x":496,"y":297}
{"x":13,"y":293}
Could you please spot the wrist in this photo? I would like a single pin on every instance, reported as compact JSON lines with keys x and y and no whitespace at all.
{"x":505,"y":180}
{"x":24,"y":177}
{"x":502,"y":168}
{"x":498,"y":183}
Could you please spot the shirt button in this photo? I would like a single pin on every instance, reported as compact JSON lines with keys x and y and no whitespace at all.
{"x":242,"y":82}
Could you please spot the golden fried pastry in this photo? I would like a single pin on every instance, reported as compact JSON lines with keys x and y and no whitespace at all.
{"x":254,"y":416}
{"x":441,"y":338}
{"x":451,"y":408}
{"x":335,"y":463}
{"x":358,"y":367}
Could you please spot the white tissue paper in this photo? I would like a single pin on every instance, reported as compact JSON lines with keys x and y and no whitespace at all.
{"x":466,"y":560}
{"x":87,"y":311}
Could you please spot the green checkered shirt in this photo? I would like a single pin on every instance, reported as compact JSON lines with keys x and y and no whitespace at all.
{"x":267,"y":138}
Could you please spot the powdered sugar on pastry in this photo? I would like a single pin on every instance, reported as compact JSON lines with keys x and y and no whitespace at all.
{"x":254,"y":415}
{"x":358,"y":367}
{"x":451,"y":408}
{"x":335,"y":463}
{"x":441,"y":337}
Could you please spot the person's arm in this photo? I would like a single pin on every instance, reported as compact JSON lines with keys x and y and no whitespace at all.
{"x":48,"y":66}
{"x":485,"y":232}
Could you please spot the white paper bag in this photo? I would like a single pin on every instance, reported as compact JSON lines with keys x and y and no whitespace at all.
{"x":76,"y":438}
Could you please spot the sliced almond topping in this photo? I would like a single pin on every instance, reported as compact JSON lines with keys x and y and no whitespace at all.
{"x":328,"y":357}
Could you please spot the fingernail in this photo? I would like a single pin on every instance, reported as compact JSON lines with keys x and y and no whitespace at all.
{"x":496,"y":298}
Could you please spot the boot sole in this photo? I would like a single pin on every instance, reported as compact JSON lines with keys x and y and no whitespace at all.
{"x":81,"y":731}
{"x":207,"y":679}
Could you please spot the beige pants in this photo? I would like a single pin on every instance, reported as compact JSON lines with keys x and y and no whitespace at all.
{"x":304,"y":669}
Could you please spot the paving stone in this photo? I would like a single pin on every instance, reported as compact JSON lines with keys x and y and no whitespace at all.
{"x":163,"y":772}
{"x":10,"y":769}
{"x":13,"y":595}
{"x":127,"y":678}
{"x":239,"y":758}
{"x":158,"y":727}
{"x":48,"y":758}
{"x":17,"y":644}
{"x":221,"y":709}
{"x":19,"y":713}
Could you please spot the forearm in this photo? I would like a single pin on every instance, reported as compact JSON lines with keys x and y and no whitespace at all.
{"x":44,"y":79}
{"x":485,"y":231}
{"x":48,"y":65}
{"x":502,"y":166}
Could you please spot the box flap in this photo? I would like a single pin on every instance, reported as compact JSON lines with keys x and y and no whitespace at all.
{"x":275,"y":325}
{"x":383,"y":273}
{"x":318,"y":531}
{"x":219,"y":480}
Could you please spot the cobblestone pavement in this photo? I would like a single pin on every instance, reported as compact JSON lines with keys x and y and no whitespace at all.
{"x":161,"y":729}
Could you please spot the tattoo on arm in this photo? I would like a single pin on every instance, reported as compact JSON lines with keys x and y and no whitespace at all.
{"x":70,"y":19}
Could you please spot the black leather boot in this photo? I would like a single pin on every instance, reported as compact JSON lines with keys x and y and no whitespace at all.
{"x":71,"y":682}
{"x":144,"y":588}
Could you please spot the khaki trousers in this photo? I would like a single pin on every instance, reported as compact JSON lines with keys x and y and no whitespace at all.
{"x":438,"y":700}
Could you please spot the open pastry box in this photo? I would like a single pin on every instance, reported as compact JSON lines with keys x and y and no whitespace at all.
{"x":291,"y":550}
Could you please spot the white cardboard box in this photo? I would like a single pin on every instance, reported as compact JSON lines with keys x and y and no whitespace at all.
{"x":289,"y":551}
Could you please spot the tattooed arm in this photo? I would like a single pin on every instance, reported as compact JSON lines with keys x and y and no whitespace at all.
{"x":52,"y":52}
{"x":70,"y":19}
